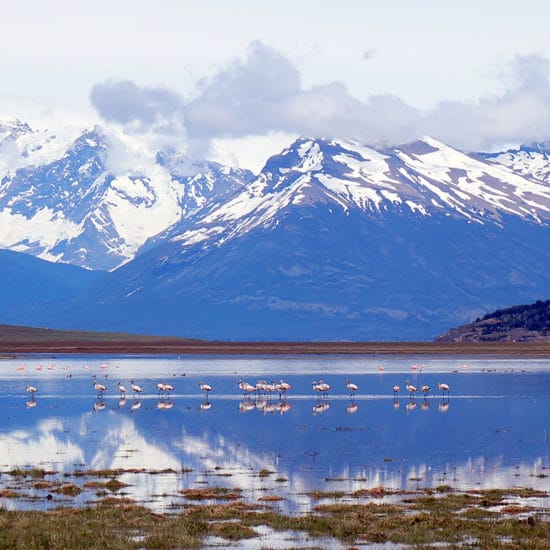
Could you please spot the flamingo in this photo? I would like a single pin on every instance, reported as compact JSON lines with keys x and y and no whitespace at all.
{"x":100,"y":388}
{"x":205,"y":388}
{"x":444,"y":388}
{"x":31,"y":390}
{"x":317,"y":386}
{"x":425,"y":390}
{"x":270,"y":388}
{"x":261,"y":386}
{"x":135,"y":388}
{"x":396,"y":389}
{"x":282,"y":387}
{"x":411,"y":389}
{"x":121,"y":389}
{"x":247,"y":388}
{"x":351,"y":387}
{"x":325,"y":387}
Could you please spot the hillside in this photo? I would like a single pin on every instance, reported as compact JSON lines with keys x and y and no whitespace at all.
{"x":520,"y":323}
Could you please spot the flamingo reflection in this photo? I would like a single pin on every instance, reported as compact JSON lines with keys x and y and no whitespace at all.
{"x":352,"y":408}
{"x":205,"y":406}
{"x":100,"y":404}
{"x":321,"y":407}
{"x":246,"y":405}
{"x":283,"y":407}
{"x":164,"y":404}
{"x":443,"y":406}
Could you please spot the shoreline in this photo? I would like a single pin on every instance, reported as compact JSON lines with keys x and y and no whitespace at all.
{"x":16,"y":340}
{"x":165,"y":346}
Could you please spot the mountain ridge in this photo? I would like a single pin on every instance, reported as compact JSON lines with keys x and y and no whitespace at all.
{"x":332,"y":240}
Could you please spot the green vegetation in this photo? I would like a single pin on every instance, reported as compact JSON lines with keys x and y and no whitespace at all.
{"x":444,"y":517}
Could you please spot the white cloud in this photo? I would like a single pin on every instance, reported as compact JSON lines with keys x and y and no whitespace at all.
{"x":264,"y":93}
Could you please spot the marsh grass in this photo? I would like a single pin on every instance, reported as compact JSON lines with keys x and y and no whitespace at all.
{"x":212,"y":493}
{"x":448,"y":518}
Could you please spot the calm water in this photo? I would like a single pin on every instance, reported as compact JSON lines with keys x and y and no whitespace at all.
{"x":491,"y":432}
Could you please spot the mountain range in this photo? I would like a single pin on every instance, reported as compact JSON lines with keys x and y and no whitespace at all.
{"x":332,"y":240}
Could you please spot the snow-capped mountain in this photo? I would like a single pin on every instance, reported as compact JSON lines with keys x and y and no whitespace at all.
{"x":331,"y":240}
{"x":334,"y":240}
{"x":425,"y":178}
{"x":60,"y":200}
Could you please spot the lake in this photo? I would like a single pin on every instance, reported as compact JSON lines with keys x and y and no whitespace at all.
{"x":490,"y":431}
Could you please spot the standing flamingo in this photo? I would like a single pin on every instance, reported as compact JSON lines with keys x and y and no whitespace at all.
{"x":351,"y":387}
{"x":321,"y":387}
{"x":100,"y":388}
{"x":425,"y":390}
{"x":410,"y":388}
{"x":444,"y":388}
{"x":396,"y":389}
{"x":31,"y":390}
{"x":206,"y":388}
{"x":317,"y":387}
{"x":282,"y":387}
{"x":122,"y":389}
{"x":135,"y":388}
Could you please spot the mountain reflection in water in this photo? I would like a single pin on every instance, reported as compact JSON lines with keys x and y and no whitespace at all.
{"x":490,"y":432}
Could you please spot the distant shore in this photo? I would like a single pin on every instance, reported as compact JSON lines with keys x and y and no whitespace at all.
{"x":26,"y":340}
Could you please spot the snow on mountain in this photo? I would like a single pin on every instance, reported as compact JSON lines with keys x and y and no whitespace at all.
{"x":531,"y":160}
{"x":423,"y":178}
{"x":332,"y":240}
{"x":60,"y":201}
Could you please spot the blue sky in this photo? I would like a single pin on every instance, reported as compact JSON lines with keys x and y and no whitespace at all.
{"x":474,"y":74}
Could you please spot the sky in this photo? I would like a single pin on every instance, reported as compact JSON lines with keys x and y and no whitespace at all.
{"x":243,"y":78}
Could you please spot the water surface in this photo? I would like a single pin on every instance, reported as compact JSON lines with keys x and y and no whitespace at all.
{"x":491,"y":431}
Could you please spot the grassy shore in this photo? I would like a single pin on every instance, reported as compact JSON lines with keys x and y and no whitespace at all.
{"x":16,"y":340}
{"x":480,"y":519}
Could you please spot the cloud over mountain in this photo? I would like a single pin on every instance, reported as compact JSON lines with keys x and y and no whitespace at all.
{"x":264,"y":92}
